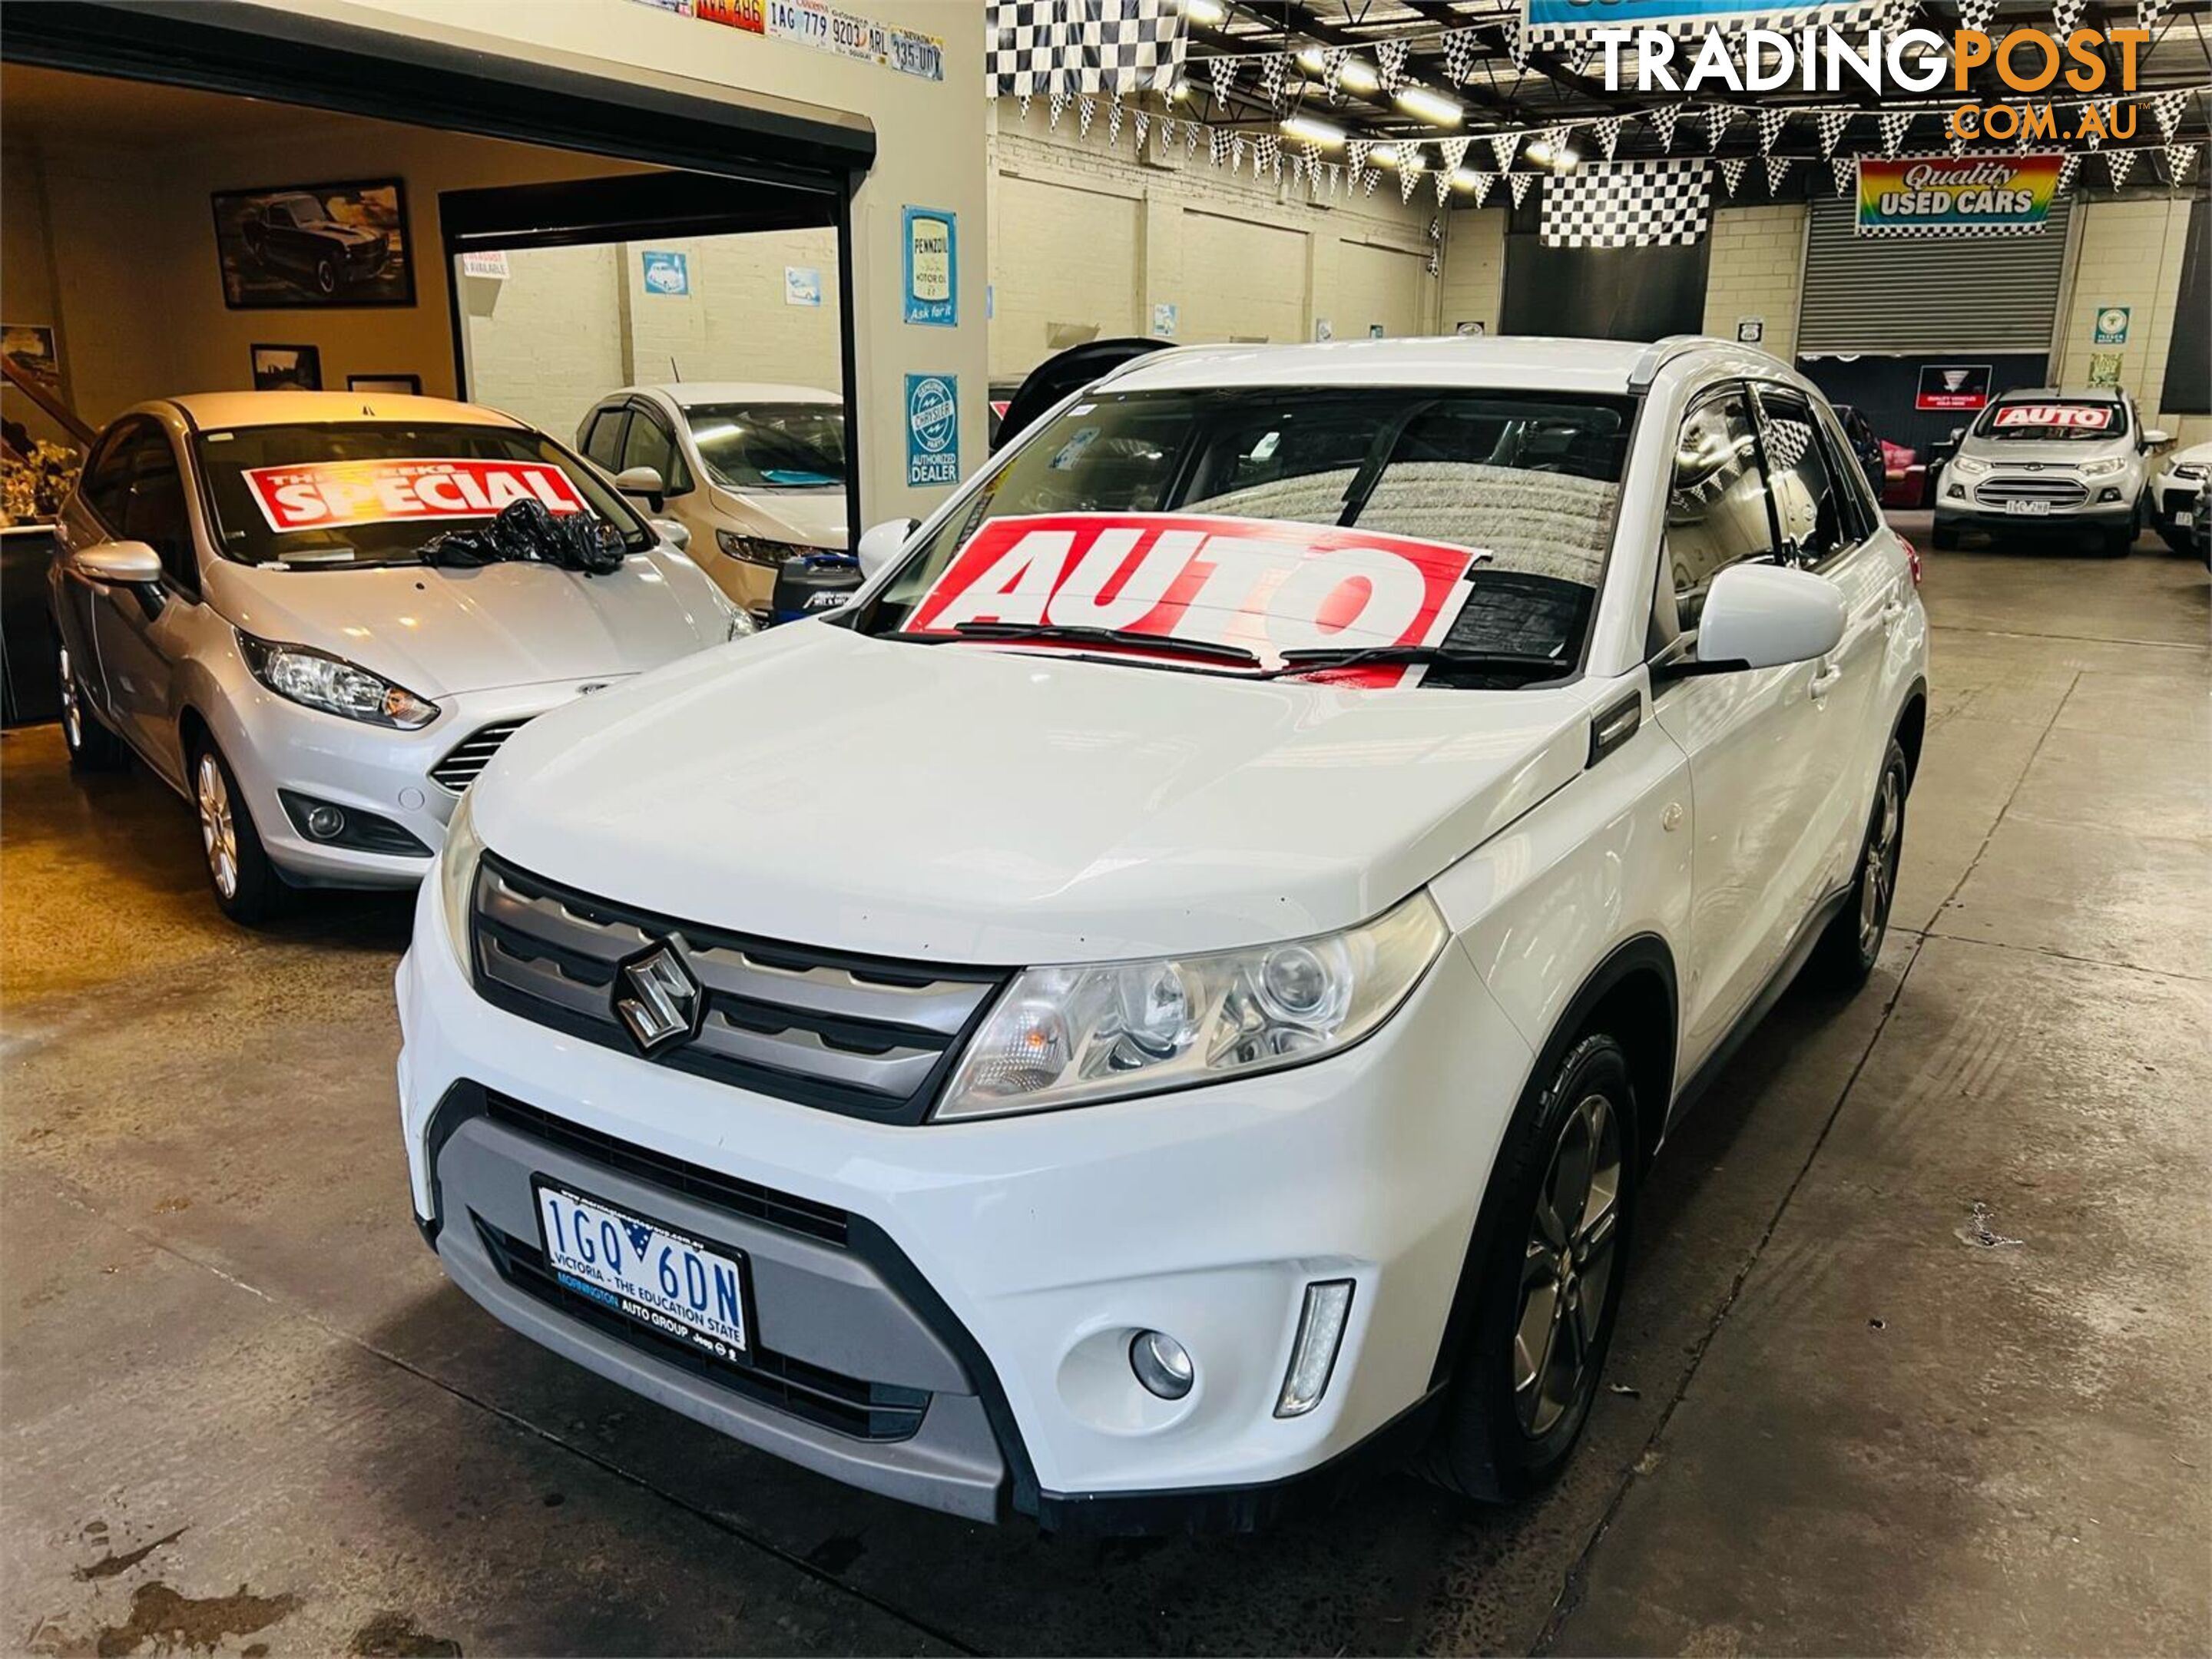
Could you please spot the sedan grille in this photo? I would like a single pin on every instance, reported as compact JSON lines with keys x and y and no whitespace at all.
{"x":2058,"y":490}
{"x":466,"y":758}
{"x":858,"y":1035}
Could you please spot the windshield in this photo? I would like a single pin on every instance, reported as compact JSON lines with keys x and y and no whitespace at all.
{"x":771,"y":446}
{"x":2054,"y":421}
{"x":1529,"y":481}
{"x":372,"y":493}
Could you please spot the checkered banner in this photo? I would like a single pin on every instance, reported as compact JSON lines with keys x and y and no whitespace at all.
{"x":1630,"y":204}
{"x":1550,"y":24}
{"x":1081,"y":46}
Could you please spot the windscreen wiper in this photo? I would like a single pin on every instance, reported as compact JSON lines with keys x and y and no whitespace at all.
{"x":1434,"y":656}
{"x":1129,"y":638}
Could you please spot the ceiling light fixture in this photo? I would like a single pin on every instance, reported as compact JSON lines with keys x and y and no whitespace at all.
{"x":1207,"y":13}
{"x":1313,"y":131}
{"x":1431,"y":106}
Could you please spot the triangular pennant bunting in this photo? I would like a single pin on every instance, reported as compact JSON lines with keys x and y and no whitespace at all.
{"x":2179,"y":159}
{"x":1607,"y":135}
{"x":1716,"y":120}
{"x":1770,"y":122}
{"x":1443,"y":184}
{"x":1390,"y":64}
{"x":1482,"y":184}
{"x":1662,"y":123}
{"x":1844,"y":169}
{"x":1139,"y":122}
{"x":1454,"y":150}
{"x":1894,"y":125}
{"x":1270,"y":77}
{"x":1113,"y":124}
{"x":1236,"y":152}
{"x":1520,"y":184}
{"x":1732,"y":171}
{"x":1190,"y":132}
{"x":2068,"y":166}
{"x":1503,"y":146}
{"x":1975,"y":13}
{"x":2166,"y":110}
{"x":1832,"y":124}
{"x":1778,"y":168}
{"x":1217,"y":146}
{"x":1462,"y":48}
{"x":2148,"y":12}
{"x":1222,"y":71}
{"x":2119,"y":163}
{"x":1409,"y":174}
{"x":1084,"y":108}
{"x":1332,"y":70}
{"x":1059,"y":106}
{"x":1023,"y":100}
{"x":2066,"y":17}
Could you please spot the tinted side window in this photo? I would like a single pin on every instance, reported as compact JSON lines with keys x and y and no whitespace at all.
{"x":154,"y":509}
{"x":1716,"y":510}
{"x":107,"y":474}
{"x":1807,"y":509}
{"x":604,"y":445}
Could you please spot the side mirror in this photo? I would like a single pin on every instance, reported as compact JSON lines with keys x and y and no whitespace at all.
{"x":1762,"y":616}
{"x":122,"y":564}
{"x":2155,"y":438}
{"x":674,"y":531}
{"x":645,"y":481}
{"x":880,"y":544}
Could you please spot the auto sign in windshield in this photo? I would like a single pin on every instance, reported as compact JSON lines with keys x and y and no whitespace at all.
{"x":2054,"y":421}
{"x":373,"y":493}
{"x":1510,"y":495}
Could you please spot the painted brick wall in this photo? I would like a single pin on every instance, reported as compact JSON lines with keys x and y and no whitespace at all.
{"x":546,"y":342}
{"x":1757,"y":269}
{"x":2128,"y":251}
{"x":1475,"y":268}
{"x":734,"y":325}
{"x":1234,"y":256}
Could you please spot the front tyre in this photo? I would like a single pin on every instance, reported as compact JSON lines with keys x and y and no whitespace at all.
{"x":92,"y":747}
{"x":1847,"y":952}
{"x":326,"y":275}
{"x":1559,"y":1206}
{"x":2115,"y":543}
{"x":247,"y":884}
{"x":1945,"y":537}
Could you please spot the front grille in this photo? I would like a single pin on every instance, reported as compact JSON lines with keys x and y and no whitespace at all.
{"x":2059,"y":491}
{"x":738,"y":1197}
{"x":468,"y":757}
{"x":849,"y":1405}
{"x":853,"y":1034}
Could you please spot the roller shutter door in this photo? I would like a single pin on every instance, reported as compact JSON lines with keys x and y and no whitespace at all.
{"x":1910,"y":294}
{"x":1380,"y":285}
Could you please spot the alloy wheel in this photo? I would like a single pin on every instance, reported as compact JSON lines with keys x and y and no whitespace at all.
{"x":1567,"y":1271}
{"x":218,"y":830}
{"x":1878,"y":879}
{"x":72,"y":711}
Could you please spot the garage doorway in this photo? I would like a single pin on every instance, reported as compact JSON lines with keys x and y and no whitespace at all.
{"x":459,"y":154}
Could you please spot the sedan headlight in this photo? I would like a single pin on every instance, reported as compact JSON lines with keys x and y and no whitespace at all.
{"x":758,"y":550}
{"x":1969,"y":466}
{"x":457,"y":875}
{"x":319,"y":680}
{"x":2189,"y":470}
{"x":742,"y":625}
{"x":2104,"y":469}
{"x":1067,"y":1036}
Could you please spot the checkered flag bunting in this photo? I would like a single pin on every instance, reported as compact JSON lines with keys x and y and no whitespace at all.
{"x":1058,"y":108}
{"x":1521,"y":184}
{"x":2166,"y":110}
{"x":2066,"y":17}
{"x":1462,"y":48}
{"x":1222,"y":71}
{"x":1140,"y":123}
{"x":1832,"y":123}
{"x":2068,"y":166}
{"x":1845,"y":171}
{"x":1770,"y":122}
{"x":1454,"y":151}
{"x":1390,"y":64}
{"x":1084,"y":109}
{"x":1629,"y":204}
{"x":2119,"y":163}
{"x":1113,"y":124}
{"x":2148,"y":12}
{"x":1190,"y":132}
{"x":1502,"y":147}
{"x":1894,"y":125}
{"x":2179,"y":160}
{"x":1777,"y":169}
{"x":1085,"y":47}
{"x":1732,"y":168}
{"x":1606,"y":133}
{"x":1662,"y":123}
{"x":1271,"y":68}
{"x":1482,"y":184}
{"x":1975,"y":13}
{"x":1716,"y":121}
{"x":1332,"y":59}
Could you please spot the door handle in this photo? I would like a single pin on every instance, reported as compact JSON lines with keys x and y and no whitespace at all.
{"x":1825,"y":680}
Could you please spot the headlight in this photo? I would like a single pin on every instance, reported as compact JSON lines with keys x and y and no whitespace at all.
{"x":758,"y":550}
{"x":334,"y":685}
{"x":742,"y":625}
{"x":1969,"y":466}
{"x":1067,"y":1036}
{"x":2189,"y":470}
{"x":2103,"y":469}
{"x":457,"y":875}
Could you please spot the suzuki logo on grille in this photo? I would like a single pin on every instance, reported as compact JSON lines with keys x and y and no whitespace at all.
{"x":657,"y":998}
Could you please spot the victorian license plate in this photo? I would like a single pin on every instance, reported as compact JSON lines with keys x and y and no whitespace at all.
{"x":2028,"y":509}
{"x":663,"y":1279}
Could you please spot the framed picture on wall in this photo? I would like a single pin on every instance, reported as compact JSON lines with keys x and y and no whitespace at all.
{"x":287,"y":369}
{"x":314,"y":245}
{"x":409,"y":384}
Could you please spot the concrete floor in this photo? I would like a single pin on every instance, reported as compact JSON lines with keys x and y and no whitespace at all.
{"x":242,"y":1409}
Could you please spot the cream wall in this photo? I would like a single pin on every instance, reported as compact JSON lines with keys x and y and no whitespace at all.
{"x":550,"y":339}
{"x":930,"y":153}
{"x":1756,"y":268}
{"x":1085,"y":233}
{"x":1474,"y":267}
{"x":2128,"y":251}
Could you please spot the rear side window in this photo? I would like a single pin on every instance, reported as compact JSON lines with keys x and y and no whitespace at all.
{"x":1807,"y":507}
{"x":107,"y":474}
{"x":1716,"y":509}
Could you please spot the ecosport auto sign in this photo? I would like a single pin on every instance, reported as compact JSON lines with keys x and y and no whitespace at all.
{"x":1264,"y":585}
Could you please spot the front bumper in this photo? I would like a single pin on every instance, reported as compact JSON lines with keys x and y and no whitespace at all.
{"x":1985,"y":508}
{"x":1000,"y":1268}
{"x":275,"y":745}
{"x":2173,"y":500}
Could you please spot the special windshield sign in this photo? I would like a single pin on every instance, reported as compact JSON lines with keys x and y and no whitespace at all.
{"x":1261,"y":584}
{"x":330,"y":495}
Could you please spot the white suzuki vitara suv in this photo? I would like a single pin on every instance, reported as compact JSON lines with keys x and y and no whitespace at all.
{"x":1306,"y":819}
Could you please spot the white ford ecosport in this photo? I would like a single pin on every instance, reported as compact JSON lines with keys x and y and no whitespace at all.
{"x":1306,"y":819}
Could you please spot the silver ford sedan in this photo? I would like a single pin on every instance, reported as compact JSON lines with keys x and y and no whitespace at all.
{"x":304,"y":612}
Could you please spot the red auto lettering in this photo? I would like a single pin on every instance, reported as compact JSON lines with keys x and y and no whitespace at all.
{"x":1084,"y":599}
{"x":1015,"y":588}
{"x":1366,"y":588}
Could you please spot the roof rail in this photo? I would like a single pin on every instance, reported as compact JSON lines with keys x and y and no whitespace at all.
{"x":1660,"y":353}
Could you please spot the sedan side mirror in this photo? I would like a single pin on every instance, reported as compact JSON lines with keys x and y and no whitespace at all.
{"x":880,"y":544}
{"x":645,"y":481}
{"x":122,"y":564}
{"x":2155,"y":438}
{"x":674,"y":531}
{"x":1763,"y":615}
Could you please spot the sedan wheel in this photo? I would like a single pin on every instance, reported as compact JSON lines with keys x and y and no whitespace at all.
{"x":1567,"y":1271}
{"x":218,"y":829}
{"x":92,"y":747}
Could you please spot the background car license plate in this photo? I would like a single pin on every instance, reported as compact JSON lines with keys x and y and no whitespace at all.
{"x":662,"y":1279}
{"x":2031,"y":509}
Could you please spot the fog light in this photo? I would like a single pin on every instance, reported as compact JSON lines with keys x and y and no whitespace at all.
{"x":1956,"y":492}
{"x":1162,"y":1363}
{"x":2109,"y":493}
{"x":324,"y":821}
{"x":1313,"y":1355}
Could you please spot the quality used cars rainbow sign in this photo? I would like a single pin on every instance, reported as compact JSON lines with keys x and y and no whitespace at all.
{"x":1956,"y":195}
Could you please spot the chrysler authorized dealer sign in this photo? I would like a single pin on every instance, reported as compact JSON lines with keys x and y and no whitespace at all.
{"x":329,"y":494}
{"x":1263,"y":585}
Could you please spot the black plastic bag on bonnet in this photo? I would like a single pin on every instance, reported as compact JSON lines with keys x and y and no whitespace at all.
{"x":526,"y":532}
